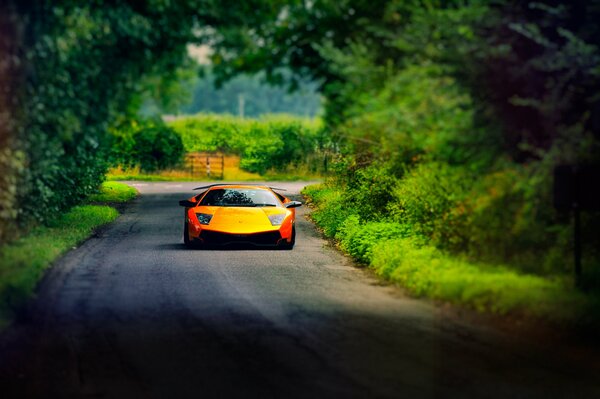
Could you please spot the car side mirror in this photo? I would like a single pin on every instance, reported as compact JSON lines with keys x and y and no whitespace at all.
{"x":187,"y":203}
{"x":293,"y":204}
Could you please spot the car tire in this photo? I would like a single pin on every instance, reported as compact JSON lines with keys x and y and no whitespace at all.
{"x":186,"y":235}
{"x":290,"y":245}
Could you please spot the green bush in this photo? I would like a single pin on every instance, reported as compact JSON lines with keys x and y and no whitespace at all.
{"x":331,"y":205}
{"x":369,"y":190}
{"x":397,"y":254}
{"x":358,"y":239}
{"x":508,"y":217}
{"x":274,"y":143}
{"x":426,"y":197}
{"x":151,"y":145}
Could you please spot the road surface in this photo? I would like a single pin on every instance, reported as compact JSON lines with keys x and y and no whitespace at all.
{"x":132,"y":313}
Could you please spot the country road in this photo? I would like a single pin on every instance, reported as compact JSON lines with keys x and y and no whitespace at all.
{"x":132,"y":313}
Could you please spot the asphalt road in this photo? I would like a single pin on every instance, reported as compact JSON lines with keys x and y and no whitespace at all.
{"x":132,"y":313}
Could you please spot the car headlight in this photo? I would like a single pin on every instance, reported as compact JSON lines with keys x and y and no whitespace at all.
{"x":277,"y":219}
{"x":204,"y":218}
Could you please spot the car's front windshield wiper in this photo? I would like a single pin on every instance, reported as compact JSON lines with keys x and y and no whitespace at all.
{"x":265,"y":205}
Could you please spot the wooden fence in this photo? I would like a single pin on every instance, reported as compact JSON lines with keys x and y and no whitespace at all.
{"x":204,"y":164}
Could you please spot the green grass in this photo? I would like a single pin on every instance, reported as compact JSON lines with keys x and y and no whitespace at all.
{"x":427,"y":272}
{"x":112,"y":191}
{"x":24,"y":261}
{"x":396,"y":254}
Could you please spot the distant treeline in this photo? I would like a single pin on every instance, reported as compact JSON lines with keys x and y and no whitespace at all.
{"x":250,"y":96}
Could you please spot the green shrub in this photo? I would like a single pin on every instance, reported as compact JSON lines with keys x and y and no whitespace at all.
{"x":507,"y":217}
{"x":157,"y":147}
{"x":358,"y":239}
{"x":425,"y":197}
{"x":261,"y":149}
{"x":332,"y":208}
{"x":369,"y":190}
{"x":151,"y":145}
{"x":274,"y":143}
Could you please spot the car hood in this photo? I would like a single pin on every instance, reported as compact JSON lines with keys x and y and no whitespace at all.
{"x":240,"y":219}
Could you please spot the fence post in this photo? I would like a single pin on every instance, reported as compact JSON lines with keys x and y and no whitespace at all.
{"x":222,"y":167}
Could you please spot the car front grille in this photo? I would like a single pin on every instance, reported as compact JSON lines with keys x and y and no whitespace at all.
{"x":218,"y":238}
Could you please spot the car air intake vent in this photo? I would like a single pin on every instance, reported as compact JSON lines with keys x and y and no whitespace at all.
{"x":214,"y":237}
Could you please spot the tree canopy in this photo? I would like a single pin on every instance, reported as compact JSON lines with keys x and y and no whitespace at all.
{"x":496,"y":93}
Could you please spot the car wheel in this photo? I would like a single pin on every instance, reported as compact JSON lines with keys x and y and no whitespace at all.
{"x":290,"y":245}
{"x":186,"y":235}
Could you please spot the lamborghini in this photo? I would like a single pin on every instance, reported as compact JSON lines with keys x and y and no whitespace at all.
{"x":225,"y":214}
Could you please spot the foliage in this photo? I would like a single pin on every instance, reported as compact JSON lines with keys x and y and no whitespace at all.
{"x":73,"y":70}
{"x":332,"y":209}
{"x":450,"y":115}
{"x":465,"y":110}
{"x":401,"y":255}
{"x":168,"y":92}
{"x":425,"y":271}
{"x":251,"y":96}
{"x":358,"y":239}
{"x":270,"y":143}
{"x":151,"y":145}
{"x":429,"y":197}
{"x":111,"y":192}
{"x":544,"y":59}
{"x":369,"y":190}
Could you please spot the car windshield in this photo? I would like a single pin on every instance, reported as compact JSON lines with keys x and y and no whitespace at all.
{"x":239,"y":197}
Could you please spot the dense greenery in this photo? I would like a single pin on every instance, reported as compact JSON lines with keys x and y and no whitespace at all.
{"x":150,"y":145}
{"x":399,"y":254}
{"x":75,"y":68}
{"x":451,"y":117}
{"x":272,"y":143}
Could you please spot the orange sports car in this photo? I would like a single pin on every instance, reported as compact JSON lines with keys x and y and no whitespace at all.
{"x":239,"y":214}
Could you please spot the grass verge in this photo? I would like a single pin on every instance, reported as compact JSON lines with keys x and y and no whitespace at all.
{"x":112,"y":191}
{"x":24,"y":261}
{"x":398,"y":255}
